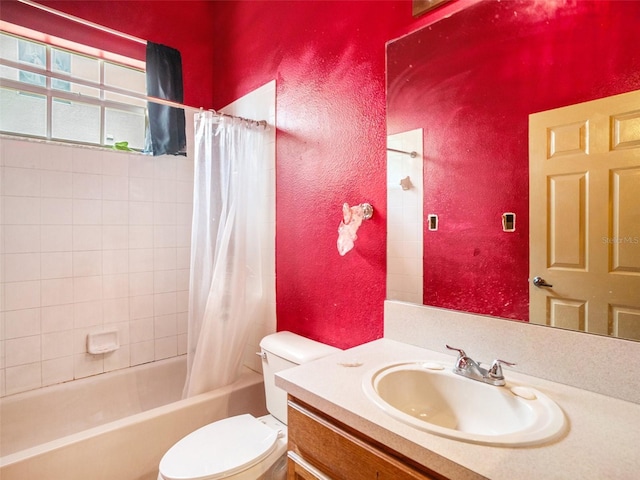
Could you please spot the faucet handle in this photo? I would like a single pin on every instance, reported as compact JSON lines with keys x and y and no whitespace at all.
{"x":459,"y":350}
{"x":496,"y":368}
{"x":462,"y":362}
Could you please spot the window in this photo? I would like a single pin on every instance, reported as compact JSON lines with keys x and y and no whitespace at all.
{"x":58,"y":94}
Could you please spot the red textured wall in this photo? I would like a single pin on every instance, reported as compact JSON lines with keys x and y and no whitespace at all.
{"x":471,"y":81}
{"x":328,"y":59}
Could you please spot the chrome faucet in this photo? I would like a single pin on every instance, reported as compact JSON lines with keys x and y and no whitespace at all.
{"x":467,"y":367}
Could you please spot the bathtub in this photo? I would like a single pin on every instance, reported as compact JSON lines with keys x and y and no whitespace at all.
{"x":112,"y":426}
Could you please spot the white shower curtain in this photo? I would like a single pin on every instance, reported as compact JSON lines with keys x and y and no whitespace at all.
{"x":226,"y":294}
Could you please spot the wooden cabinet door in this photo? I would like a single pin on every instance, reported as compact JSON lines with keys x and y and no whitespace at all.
{"x":300,"y":469}
{"x":332,"y":451}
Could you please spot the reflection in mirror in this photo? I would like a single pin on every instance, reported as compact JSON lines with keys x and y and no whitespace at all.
{"x":470,"y":82}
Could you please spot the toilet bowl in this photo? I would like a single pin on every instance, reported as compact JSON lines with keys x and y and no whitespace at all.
{"x":244,"y":447}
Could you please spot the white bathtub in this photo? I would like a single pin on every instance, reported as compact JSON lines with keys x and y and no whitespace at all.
{"x":112,"y":426}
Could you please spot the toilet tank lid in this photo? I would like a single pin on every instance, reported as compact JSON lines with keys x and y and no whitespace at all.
{"x":295,"y":348}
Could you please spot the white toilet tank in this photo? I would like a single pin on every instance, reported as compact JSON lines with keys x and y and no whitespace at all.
{"x":284,"y":350}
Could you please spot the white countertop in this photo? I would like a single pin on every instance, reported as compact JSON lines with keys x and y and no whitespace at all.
{"x":601,"y":442}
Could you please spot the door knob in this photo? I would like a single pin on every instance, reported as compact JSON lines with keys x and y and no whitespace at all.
{"x":541,"y":282}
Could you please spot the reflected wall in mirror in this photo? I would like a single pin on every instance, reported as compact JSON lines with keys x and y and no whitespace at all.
{"x":470,"y":81}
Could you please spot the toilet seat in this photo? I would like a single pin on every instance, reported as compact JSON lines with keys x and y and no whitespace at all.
{"x":219,"y":449}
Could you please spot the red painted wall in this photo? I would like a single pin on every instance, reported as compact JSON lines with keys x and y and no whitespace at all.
{"x":328,"y":59}
{"x":471,"y":81}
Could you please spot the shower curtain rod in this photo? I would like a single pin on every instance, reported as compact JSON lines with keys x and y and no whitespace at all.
{"x":82,"y":21}
{"x":117,"y":33}
{"x":162,"y":101}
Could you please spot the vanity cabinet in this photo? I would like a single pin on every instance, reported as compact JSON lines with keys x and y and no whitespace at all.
{"x":321,"y":448}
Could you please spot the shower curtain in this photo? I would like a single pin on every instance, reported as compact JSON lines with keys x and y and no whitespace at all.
{"x":226,"y":293}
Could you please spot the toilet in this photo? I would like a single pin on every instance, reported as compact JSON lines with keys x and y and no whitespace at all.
{"x":244,"y":447}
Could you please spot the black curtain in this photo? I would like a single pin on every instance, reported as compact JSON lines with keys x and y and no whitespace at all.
{"x":166,"y":134}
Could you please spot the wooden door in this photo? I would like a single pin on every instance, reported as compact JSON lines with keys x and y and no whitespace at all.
{"x":584,"y":204}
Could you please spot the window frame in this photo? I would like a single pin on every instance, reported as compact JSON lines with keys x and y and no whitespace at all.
{"x":52,"y":93}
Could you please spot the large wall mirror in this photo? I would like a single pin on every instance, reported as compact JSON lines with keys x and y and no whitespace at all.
{"x":470,"y":82}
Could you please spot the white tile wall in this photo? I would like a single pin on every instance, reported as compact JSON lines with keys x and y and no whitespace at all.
{"x":91,"y":240}
{"x":405,"y":218}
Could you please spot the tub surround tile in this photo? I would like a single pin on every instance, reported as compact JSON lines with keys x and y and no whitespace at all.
{"x":165,"y":326}
{"x":117,"y":165}
{"x":56,"y":184}
{"x":115,"y":212}
{"x":135,"y":212}
{"x":115,"y":310}
{"x":117,"y":360}
{"x":58,"y":211}
{"x":56,"y":238}
{"x":141,"y":330}
{"x":20,"y":267}
{"x":57,"y":345}
{"x":81,"y":231}
{"x":141,"y":307}
{"x":21,"y":323}
{"x":183,"y":345}
{"x":57,"y":318}
{"x":85,"y":365}
{"x":115,"y":188}
{"x":22,"y":377}
{"x":140,"y":283}
{"x":20,"y":182}
{"x":141,"y":189}
{"x":57,"y":291}
{"x":57,"y":370}
{"x":21,"y":210}
{"x":56,"y":265}
{"x":141,"y":166}
{"x":115,"y":286}
{"x":22,"y":351}
{"x":115,"y":261}
{"x":21,"y":295}
{"x":21,"y":238}
{"x":86,"y":186}
{"x":165,"y":347}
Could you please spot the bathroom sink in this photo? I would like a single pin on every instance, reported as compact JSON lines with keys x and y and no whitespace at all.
{"x":430,"y":397}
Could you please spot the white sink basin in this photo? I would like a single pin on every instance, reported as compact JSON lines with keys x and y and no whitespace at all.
{"x":432,"y":398}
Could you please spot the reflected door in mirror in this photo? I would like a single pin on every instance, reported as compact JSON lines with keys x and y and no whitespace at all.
{"x":585,"y":235}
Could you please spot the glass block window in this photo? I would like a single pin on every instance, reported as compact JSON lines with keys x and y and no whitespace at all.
{"x":57,"y":94}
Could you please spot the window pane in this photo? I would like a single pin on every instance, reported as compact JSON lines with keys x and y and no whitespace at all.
{"x":74,"y":65}
{"x":75,"y":121}
{"x":35,"y":54}
{"x":116,"y":97}
{"x":121,"y":126}
{"x":125,"y":77}
{"x":23,"y":113}
{"x":8,"y":72}
{"x":71,"y":87}
{"x":9,"y":47}
{"x":17,"y":50}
